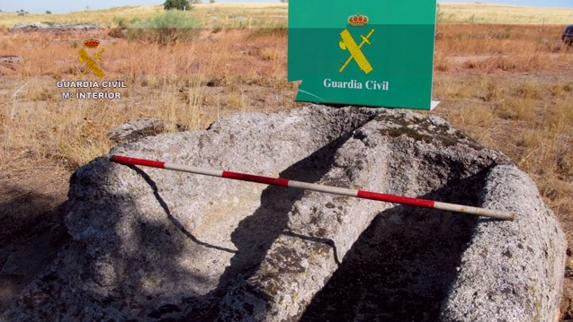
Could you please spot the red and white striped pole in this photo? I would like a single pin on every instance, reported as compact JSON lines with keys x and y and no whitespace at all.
{"x":316,"y":187}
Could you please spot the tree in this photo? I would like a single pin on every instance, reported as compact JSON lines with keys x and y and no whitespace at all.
{"x":48,"y":12}
{"x":176,"y":4}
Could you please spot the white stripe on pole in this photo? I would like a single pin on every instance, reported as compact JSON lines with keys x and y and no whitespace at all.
{"x":474,"y":210}
{"x":184,"y":168}
{"x":321,"y":188}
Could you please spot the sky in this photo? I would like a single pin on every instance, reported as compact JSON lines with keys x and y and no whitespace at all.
{"x":62,"y":6}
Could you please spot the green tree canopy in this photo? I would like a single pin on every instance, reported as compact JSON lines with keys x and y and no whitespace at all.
{"x":177,"y":4}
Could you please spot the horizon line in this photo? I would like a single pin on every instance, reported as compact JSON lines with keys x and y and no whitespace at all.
{"x":469,"y":3}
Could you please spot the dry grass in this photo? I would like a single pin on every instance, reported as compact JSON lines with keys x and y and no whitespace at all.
{"x":209,"y":15}
{"x":510,"y":48}
{"x":498,"y":14}
{"x":165,"y":82}
{"x":101,"y":17}
{"x":275,"y":15}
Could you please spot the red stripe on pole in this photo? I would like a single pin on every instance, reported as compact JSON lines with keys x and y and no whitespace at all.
{"x":134,"y":161}
{"x":252,"y":178}
{"x":396,"y":199}
{"x":316,"y":187}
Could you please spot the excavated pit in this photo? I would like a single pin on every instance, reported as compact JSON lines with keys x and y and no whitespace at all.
{"x":402,"y":266}
{"x":152,"y":245}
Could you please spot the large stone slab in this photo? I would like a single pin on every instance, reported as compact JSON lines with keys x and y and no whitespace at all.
{"x":152,"y":245}
{"x":410,"y":264}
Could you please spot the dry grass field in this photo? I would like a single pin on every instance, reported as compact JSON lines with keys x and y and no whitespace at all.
{"x":502,"y":74}
{"x":267,"y":15}
{"x":209,"y":15}
{"x":500,"y":14}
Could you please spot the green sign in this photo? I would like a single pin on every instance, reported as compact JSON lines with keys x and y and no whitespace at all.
{"x":368,"y":52}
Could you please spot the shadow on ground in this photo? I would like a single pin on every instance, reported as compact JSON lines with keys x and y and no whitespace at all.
{"x":31,"y":234}
{"x":402,"y":266}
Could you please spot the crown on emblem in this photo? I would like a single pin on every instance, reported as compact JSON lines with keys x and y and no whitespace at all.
{"x":358,"y":21}
{"x":92,"y":43}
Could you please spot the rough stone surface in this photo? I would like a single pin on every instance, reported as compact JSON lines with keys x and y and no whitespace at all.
{"x":41,"y":26}
{"x":151,"y":245}
{"x":11,"y":59}
{"x":136,"y":130}
{"x":511,"y":271}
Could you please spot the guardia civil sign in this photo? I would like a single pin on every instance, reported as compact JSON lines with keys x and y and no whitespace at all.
{"x":369,"y":52}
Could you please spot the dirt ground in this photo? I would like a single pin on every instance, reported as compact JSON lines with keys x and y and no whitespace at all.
{"x":32,"y":207}
{"x":508,"y":87}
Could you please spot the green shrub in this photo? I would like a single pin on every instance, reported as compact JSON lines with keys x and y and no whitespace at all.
{"x":166,"y":29}
{"x":176,"y":4}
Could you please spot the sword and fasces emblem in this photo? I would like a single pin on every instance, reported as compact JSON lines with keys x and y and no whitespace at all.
{"x":91,"y":63}
{"x":355,"y":50}
{"x":356,"y":54}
